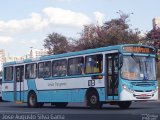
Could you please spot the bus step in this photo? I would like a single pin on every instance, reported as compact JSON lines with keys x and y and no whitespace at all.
{"x":19,"y":102}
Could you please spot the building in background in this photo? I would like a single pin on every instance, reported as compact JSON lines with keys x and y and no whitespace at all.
{"x":2,"y":58}
{"x":13,"y":58}
{"x":33,"y":53}
{"x":156,"y":23}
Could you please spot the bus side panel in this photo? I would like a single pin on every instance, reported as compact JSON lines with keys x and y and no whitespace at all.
{"x":74,"y":95}
{"x":25,"y":96}
{"x":8,"y":91}
{"x":31,"y":86}
{"x":101,"y":92}
{"x":8,"y":96}
{"x":66,"y":95}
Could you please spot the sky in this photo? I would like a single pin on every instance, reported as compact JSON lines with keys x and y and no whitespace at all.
{"x":26,"y":23}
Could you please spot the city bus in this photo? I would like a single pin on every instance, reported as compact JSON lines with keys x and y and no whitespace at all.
{"x":118,"y":75}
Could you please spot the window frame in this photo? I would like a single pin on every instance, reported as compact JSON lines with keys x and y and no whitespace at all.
{"x":83,"y":59}
{"x":86,"y":64}
{"x":50,"y":69}
{"x":66,"y":61}
{"x":29,"y":74}
{"x":10,"y":74}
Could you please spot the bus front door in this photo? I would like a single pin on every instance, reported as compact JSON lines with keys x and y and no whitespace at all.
{"x":112,"y":76}
{"x":18,"y":87}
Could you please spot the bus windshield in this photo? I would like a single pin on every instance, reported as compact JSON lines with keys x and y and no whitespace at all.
{"x":138,"y":68}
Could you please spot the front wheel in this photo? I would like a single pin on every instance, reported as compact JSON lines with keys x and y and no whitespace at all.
{"x":124,"y":104}
{"x":93,"y":100}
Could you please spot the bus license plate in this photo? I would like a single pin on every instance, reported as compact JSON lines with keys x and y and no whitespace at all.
{"x":143,"y":95}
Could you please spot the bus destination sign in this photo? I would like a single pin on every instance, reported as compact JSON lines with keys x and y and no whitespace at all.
{"x":138,"y":49}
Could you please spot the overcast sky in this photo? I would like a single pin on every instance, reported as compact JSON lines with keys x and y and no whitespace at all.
{"x":26,"y":23}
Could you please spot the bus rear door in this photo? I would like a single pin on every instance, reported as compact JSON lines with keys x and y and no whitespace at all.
{"x":19,"y":86}
{"x":112,"y":76}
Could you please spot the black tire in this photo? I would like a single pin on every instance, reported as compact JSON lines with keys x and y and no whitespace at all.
{"x":32,"y":100}
{"x":93,"y":100}
{"x":60,"y":104}
{"x":124,"y":104}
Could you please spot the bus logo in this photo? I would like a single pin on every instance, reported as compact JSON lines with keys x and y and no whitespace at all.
{"x":91,"y":82}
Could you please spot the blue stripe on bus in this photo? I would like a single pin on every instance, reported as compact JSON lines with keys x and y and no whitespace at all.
{"x":73,"y":95}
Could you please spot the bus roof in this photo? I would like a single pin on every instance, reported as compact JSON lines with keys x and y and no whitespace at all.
{"x":69,"y":54}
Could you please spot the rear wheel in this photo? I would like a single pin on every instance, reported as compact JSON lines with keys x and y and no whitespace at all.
{"x":93,"y":100}
{"x":124,"y":104}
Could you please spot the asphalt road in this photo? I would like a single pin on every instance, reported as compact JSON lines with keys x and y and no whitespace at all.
{"x":78,"y":111}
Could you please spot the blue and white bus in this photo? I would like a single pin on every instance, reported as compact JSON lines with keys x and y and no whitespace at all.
{"x":115,"y":74}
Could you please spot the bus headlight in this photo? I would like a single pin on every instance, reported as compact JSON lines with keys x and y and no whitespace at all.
{"x":124,"y":86}
{"x":127,"y":89}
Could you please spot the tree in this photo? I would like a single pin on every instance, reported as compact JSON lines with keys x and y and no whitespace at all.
{"x":153,"y":38}
{"x":56,"y":44}
{"x":112,"y":32}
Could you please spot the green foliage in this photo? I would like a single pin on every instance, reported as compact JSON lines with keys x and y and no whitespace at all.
{"x":56,"y":43}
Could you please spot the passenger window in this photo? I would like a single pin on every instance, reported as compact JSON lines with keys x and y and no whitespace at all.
{"x":76,"y":66}
{"x":59,"y":68}
{"x":94,"y":64}
{"x":31,"y":71}
{"x":8,"y":73}
{"x":44,"y":69}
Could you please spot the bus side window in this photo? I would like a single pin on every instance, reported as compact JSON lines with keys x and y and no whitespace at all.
{"x":44,"y":69}
{"x":76,"y":66}
{"x":59,"y":68}
{"x":40,"y":70}
{"x":47,"y":69}
{"x":94,"y":64}
{"x":8,"y":73}
{"x":31,"y":71}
